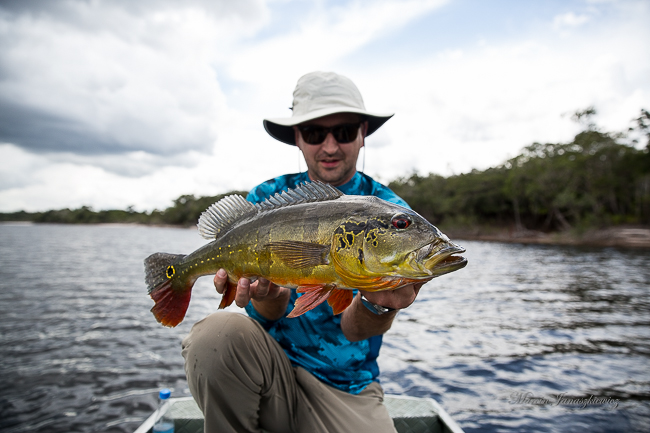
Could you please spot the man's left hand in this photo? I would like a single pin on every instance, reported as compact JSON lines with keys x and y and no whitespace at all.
{"x":396,"y":299}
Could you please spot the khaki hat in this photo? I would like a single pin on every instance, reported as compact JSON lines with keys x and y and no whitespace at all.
{"x":319,"y":94}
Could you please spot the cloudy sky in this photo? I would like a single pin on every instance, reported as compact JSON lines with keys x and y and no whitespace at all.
{"x":120,"y":103}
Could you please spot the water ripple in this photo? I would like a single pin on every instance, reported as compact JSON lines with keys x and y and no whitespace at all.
{"x":81,"y":352}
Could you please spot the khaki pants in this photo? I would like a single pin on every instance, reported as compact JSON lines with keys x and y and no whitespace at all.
{"x":243,"y":382}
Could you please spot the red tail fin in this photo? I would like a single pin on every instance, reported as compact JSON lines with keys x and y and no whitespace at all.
{"x":170,"y":293}
{"x":171,"y":304}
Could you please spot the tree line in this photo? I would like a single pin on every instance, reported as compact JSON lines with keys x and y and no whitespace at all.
{"x":184,"y":212}
{"x":597,"y":179}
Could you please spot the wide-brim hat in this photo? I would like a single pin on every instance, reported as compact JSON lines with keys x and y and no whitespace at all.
{"x":319,"y":94}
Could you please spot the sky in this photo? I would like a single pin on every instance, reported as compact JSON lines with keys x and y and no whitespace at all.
{"x":112,"y":104}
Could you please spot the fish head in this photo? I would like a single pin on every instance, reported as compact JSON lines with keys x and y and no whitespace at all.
{"x":391,"y":240}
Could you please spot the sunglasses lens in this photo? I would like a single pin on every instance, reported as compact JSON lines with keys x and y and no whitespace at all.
{"x":314,"y":135}
{"x":341,"y":133}
{"x":345,"y":133}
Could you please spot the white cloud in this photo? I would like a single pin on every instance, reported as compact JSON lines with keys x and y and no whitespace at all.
{"x":569,"y":19}
{"x":476,"y":108}
{"x":174,"y":96}
{"x":136,"y":82}
{"x":322,"y":37}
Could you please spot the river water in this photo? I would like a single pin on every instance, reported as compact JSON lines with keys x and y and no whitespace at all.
{"x":524,"y":339}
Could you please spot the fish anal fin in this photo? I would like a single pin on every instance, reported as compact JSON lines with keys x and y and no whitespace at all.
{"x":228,"y":295}
{"x":312,"y":297}
{"x":339,"y":300}
{"x":300,"y":255}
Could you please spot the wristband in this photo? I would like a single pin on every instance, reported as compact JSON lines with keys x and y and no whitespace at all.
{"x":374,"y":308}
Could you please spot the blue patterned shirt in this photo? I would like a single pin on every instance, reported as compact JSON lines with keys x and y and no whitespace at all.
{"x":314,"y":340}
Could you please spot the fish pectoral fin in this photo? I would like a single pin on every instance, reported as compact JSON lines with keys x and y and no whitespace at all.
{"x":228,"y":295}
{"x":339,"y":300}
{"x":312,"y":297}
{"x":299,"y":255}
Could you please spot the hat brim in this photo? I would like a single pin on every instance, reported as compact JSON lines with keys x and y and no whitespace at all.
{"x":282,"y":128}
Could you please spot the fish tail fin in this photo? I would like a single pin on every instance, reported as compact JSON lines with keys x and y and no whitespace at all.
{"x":170,"y":292}
{"x":339,"y":300}
{"x":228,"y":295}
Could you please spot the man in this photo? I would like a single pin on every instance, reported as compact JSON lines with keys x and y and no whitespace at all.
{"x":316,"y":372}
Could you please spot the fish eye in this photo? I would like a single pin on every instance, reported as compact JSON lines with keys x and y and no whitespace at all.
{"x":401,"y":221}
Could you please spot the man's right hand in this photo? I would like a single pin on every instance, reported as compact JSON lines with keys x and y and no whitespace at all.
{"x":268,"y":299}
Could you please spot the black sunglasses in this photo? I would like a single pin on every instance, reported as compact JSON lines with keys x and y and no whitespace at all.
{"x":314,"y":134}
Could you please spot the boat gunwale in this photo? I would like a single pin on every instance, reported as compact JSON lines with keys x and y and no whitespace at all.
{"x":445,"y":419}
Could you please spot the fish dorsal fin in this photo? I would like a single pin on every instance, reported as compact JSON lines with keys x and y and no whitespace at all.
{"x":306,"y":192}
{"x":222,"y":214}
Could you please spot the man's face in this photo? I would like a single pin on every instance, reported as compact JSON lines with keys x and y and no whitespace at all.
{"x":330,"y":161}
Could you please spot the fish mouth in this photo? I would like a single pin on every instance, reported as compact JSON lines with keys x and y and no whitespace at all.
{"x":439,"y":257}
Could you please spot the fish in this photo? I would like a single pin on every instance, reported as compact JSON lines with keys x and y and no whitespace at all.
{"x":312,"y":238}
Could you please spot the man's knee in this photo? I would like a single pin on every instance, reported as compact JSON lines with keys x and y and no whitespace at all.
{"x":217,"y":334}
{"x":227,"y":349}
{"x":225,"y":343}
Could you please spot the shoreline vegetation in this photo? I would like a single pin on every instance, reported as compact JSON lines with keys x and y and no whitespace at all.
{"x":619,"y":236}
{"x":594,"y":191}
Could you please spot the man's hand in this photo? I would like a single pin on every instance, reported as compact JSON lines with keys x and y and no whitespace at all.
{"x":268,"y":299}
{"x":396,"y":299}
{"x":358,"y":323}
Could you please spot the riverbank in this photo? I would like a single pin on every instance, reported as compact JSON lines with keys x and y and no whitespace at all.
{"x":621,"y":236}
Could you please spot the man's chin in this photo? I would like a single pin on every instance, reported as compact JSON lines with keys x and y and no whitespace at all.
{"x":333,"y":177}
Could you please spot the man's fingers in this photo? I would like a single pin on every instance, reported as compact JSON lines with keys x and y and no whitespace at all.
{"x":243,"y":292}
{"x":398,"y":299}
{"x":220,"y":280}
{"x":262,"y":287}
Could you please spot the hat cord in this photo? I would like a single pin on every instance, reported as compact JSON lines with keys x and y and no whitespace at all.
{"x":363,"y":165}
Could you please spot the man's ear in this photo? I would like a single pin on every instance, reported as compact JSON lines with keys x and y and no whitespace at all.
{"x":364,"y":129}
{"x":296,"y":136}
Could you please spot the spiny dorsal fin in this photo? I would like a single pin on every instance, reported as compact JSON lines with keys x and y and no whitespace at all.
{"x":223,"y":214}
{"x":306,"y":192}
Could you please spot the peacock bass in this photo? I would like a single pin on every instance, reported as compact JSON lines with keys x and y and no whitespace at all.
{"x":312,"y":238}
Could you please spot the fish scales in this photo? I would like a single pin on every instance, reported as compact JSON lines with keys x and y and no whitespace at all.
{"x":312,"y":238}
